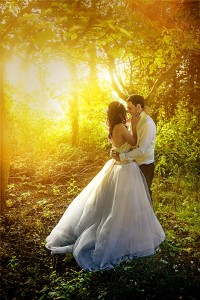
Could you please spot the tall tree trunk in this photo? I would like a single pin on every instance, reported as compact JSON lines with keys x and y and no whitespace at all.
{"x":93,"y":75}
{"x":4,"y":148}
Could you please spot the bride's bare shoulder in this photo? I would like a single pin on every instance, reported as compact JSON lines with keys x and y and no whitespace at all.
{"x":119,"y":126}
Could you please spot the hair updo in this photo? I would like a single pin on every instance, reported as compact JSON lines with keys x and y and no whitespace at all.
{"x":116,"y":114}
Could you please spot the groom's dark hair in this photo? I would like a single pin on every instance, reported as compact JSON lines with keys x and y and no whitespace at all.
{"x":136,"y":99}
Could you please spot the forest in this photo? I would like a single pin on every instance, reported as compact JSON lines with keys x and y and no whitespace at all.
{"x":61,"y":64}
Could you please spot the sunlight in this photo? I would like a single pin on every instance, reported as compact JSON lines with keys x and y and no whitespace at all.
{"x":104,"y":75}
{"x":31,"y":79}
{"x":51,"y":108}
{"x":12,"y":71}
{"x":52,"y":73}
{"x":19,"y":74}
{"x":29,"y":76}
{"x":46,"y":88}
{"x":57,"y":72}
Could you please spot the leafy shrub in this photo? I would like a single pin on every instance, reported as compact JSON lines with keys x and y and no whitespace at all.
{"x":177,"y":147}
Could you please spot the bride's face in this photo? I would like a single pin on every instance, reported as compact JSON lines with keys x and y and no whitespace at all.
{"x":132,"y":109}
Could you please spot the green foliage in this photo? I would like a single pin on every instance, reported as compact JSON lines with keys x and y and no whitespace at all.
{"x":72,"y":189}
{"x":42,"y":144}
{"x":177,"y":147}
{"x":76,"y":288}
{"x":13,"y":263}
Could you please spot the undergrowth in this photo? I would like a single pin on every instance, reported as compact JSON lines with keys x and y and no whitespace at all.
{"x":28,"y":271}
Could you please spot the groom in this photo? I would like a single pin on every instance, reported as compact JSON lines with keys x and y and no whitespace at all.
{"x":143,"y":153}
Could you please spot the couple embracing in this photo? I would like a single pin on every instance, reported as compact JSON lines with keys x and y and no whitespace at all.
{"x":112,"y":219}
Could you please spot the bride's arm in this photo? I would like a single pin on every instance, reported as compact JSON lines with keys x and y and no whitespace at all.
{"x":130,"y":138}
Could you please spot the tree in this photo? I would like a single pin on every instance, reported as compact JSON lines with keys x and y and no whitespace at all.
{"x":9,"y":23}
{"x":13,"y":13}
{"x":4,"y":151}
{"x":143,"y":44}
{"x":156,"y":42}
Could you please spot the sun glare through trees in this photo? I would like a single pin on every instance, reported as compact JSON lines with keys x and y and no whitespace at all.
{"x":51,"y":78}
{"x":61,"y":64}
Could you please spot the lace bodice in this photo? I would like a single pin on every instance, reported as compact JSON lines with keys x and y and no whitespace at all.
{"x":123,"y":148}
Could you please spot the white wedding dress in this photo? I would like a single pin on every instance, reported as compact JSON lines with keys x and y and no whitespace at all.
{"x":110,"y":221}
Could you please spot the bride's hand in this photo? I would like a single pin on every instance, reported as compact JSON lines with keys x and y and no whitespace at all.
{"x":128,"y":121}
{"x":114,"y":154}
{"x":135,"y":119}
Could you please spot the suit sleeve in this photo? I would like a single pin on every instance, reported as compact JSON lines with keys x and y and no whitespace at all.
{"x":145,"y":138}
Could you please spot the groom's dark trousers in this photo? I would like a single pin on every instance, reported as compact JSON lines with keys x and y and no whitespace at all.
{"x":148,"y":171}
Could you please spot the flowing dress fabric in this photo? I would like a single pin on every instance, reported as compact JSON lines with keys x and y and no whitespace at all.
{"x":110,"y":221}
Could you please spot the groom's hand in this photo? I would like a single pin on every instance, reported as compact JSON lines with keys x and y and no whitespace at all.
{"x":114,"y":155}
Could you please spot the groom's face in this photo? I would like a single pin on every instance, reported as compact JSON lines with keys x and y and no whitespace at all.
{"x":132,"y":109}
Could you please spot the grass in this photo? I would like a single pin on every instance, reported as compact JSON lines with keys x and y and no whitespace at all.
{"x":28,"y":271}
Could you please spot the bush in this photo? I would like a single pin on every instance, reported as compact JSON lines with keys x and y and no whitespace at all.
{"x":177,"y":145}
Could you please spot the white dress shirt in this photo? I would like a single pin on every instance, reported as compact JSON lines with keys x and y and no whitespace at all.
{"x":143,"y":153}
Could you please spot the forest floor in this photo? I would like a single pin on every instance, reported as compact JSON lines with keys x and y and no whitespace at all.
{"x":28,"y":271}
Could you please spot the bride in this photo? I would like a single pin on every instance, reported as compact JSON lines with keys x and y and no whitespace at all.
{"x":112,"y":219}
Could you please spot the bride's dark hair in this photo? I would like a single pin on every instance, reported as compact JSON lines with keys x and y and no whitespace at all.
{"x":116,"y":114}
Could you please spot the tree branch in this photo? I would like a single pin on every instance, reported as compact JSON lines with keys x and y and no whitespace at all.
{"x":112,"y":71}
{"x":160,"y":80}
{"x":14,"y":21}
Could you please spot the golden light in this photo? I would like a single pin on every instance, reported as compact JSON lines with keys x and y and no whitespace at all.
{"x":54,"y":72}
{"x":104,"y":75}
{"x":51,"y":108}
{"x":42,"y":88}
{"x":24,"y":75}
{"x":46,"y":88}
{"x":12,"y":70}
{"x":57,"y":72}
